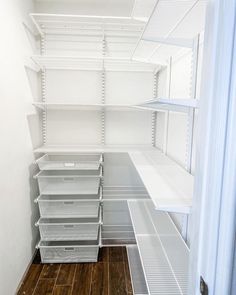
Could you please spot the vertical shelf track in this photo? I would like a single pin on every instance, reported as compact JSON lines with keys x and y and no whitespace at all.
{"x":43,"y":90}
{"x":191,"y":113}
{"x":103,"y":90}
{"x":154,"y":114}
{"x":168,"y":90}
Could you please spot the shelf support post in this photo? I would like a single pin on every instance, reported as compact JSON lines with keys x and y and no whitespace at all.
{"x":191,"y":112}
{"x":103,"y":89}
{"x":166,"y":126}
{"x":43,"y":89}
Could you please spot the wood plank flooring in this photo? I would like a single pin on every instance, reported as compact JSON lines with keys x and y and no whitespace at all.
{"x":109,"y":276}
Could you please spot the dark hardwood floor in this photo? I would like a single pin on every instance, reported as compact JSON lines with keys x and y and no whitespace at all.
{"x":109,"y":276}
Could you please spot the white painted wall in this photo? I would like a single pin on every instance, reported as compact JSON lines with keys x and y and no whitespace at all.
{"x":18,"y":119}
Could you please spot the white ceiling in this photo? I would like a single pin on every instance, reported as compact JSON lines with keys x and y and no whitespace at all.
{"x":90,"y":7}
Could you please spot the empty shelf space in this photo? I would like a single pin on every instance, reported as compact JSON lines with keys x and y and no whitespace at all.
{"x":136,"y":271}
{"x":70,"y":162}
{"x":169,"y":185}
{"x":163,"y":252}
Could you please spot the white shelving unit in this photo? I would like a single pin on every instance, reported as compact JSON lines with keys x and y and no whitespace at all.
{"x":97,"y":73}
{"x":163,"y":253}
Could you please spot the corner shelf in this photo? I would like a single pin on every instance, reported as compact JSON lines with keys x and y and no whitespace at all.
{"x":170,"y":186}
{"x":73,"y":149}
{"x":163,"y":253}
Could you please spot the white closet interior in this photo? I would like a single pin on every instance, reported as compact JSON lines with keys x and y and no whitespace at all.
{"x":118,"y":97}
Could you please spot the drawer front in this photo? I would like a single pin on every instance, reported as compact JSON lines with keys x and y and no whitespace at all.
{"x":69,"y":209}
{"x":53,"y":232}
{"x":69,"y":185}
{"x":70,"y":162}
{"x":69,"y":254}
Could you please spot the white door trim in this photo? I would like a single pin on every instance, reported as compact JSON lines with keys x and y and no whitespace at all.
{"x":214,"y":206}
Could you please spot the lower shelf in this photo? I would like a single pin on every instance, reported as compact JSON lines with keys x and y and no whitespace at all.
{"x":136,"y":271}
{"x":68,"y":251}
{"x":118,"y":242}
{"x":164,"y":255}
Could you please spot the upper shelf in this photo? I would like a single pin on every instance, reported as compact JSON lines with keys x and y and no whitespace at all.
{"x":171,"y":25}
{"x":86,"y":24}
{"x":170,"y":186}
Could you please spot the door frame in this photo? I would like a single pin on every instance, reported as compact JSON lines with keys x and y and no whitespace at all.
{"x":214,"y":203}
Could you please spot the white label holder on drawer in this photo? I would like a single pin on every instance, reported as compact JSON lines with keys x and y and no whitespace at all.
{"x":70,"y":162}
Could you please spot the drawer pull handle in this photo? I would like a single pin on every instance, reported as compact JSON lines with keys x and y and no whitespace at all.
{"x":69,"y":249}
{"x":69,"y":164}
{"x":69,"y":179}
{"x":68,"y":226}
{"x":68,"y":203}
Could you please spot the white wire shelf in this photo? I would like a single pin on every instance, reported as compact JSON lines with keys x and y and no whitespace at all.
{"x":73,"y":149}
{"x":84,"y":107}
{"x":177,"y":105}
{"x":92,"y":63}
{"x":163,"y":253}
{"x":137,"y":276}
{"x":91,"y":24}
{"x":169,"y":186}
{"x":183,"y":21}
{"x":124,"y":193}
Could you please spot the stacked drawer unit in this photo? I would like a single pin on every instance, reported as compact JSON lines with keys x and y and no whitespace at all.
{"x":70,"y":207}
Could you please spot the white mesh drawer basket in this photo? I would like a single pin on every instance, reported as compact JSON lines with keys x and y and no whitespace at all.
{"x":68,"y":229}
{"x":70,"y":162}
{"x":68,"y":251}
{"x":61,"y":206}
{"x":68,"y":182}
